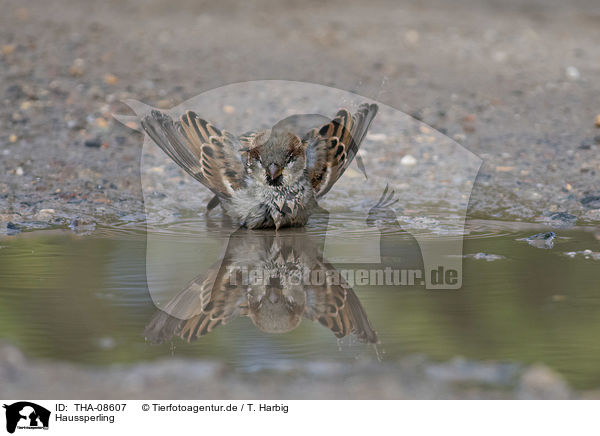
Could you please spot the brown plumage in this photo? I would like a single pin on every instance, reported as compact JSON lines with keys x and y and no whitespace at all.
{"x":263,"y":179}
{"x":276,"y":305}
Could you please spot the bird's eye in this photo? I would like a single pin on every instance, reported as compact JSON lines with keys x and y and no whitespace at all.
{"x":289,"y":158}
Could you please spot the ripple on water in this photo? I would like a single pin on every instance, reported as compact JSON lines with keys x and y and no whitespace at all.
{"x":60,"y":293}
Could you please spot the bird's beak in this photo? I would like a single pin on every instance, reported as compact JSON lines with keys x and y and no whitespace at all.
{"x":274,"y":171}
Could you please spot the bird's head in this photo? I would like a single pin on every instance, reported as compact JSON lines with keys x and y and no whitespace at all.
{"x":277,"y":309}
{"x":279,"y":157}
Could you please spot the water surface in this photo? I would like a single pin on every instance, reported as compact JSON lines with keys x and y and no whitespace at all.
{"x":85,"y":299}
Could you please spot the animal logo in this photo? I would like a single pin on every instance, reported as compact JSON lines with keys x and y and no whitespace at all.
{"x":26,"y":415}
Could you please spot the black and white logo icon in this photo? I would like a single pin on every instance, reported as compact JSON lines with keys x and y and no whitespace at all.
{"x":26,"y":415}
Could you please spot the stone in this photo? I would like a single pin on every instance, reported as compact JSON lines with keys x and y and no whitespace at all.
{"x":541,"y":382}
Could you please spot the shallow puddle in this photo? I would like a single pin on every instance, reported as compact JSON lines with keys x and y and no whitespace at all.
{"x":86,"y":299}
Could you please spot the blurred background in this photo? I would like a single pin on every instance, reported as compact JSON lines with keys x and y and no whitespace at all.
{"x":515,"y":82}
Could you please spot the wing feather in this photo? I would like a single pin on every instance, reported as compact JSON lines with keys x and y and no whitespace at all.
{"x":206,"y":302}
{"x":338,"y":308}
{"x":332,"y":147}
{"x":208,"y":154}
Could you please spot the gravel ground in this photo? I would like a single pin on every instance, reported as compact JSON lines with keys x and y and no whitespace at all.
{"x":413,"y":377}
{"x":514,"y":82}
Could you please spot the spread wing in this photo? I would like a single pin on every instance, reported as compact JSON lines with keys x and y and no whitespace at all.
{"x":331,"y":148}
{"x":224,"y":303}
{"x":338,"y":308}
{"x":208,"y":154}
{"x":206,"y":302}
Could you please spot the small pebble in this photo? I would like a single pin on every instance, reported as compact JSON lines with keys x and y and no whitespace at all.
{"x":8,"y":49}
{"x":13,"y":138}
{"x":111,"y":79}
{"x":504,"y":169}
{"x":132,"y":125}
{"x":95,"y":92}
{"x":485,"y":256}
{"x":377,"y":137}
{"x":499,"y":56}
{"x":412,"y":36}
{"x":106,"y":343}
{"x":163,"y":104}
{"x":587,"y":254}
{"x":157,"y":170}
{"x":44,"y":215}
{"x":408,"y":160}
{"x":228,"y":109}
{"x":591,"y":201}
{"x":77,"y":67}
{"x":18,"y":117}
{"x":561,"y":219}
{"x":93,"y":143}
{"x":22,"y":14}
{"x":101,"y":123}
{"x":592,"y":215}
{"x":19,"y":171}
{"x":82,"y":226}
{"x":542,"y":240}
{"x":14,"y":92}
{"x":597,"y":122}
{"x":12,"y":228}
{"x":539,"y":381}
{"x":572,"y":73}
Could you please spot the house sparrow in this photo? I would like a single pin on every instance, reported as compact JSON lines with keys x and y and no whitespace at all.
{"x":266,"y":179}
{"x":272,"y":300}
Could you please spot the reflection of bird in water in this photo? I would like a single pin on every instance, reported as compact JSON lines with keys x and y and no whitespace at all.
{"x":397,"y":247}
{"x":275,"y":280}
